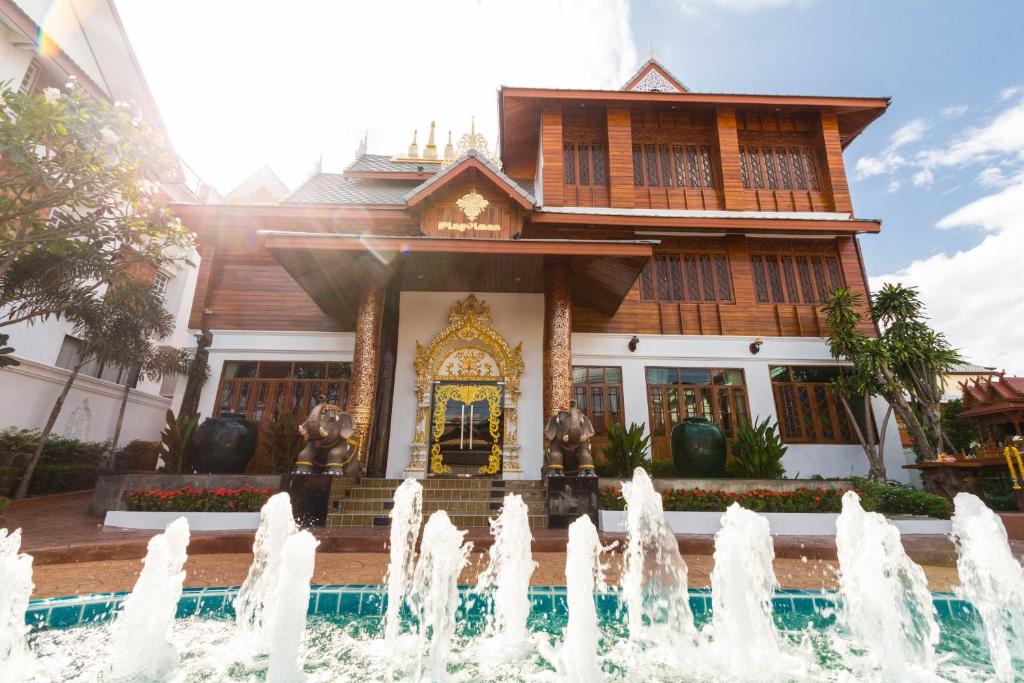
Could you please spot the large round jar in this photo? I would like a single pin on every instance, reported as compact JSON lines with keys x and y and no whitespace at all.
{"x":224,"y":444}
{"x":698,"y":448}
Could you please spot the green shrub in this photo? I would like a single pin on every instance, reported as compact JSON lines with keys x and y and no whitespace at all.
{"x":897,"y":499}
{"x":626,"y":450}
{"x":660,"y":468}
{"x":137,"y":456}
{"x":67,"y":464}
{"x":3,"y":505}
{"x":50,"y":479}
{"x":281,"y":441}
{"x":759,"y":500}
{"x":757,"y":452}
{"x":176,"y":441}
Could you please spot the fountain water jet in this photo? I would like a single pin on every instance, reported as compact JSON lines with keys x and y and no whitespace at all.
{"x":287,"y":621}
{"x":406,"y":518}
{"x":886,"y":605}
{"x":16,"y":587}
{"x":141,"y":633}
{"x":435,"y":594}
{"x":510,"y":566}
{"x":744,"y":640}
{"x":991,"y":579}
{"x":256,"y":596}
{"x":584,"y":575}
{"x":654,"y":583}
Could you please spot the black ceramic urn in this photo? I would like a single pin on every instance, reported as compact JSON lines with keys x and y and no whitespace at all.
{"x":224,"y":444}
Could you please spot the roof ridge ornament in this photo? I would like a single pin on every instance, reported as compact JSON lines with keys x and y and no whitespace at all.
{"x":473,"y":141}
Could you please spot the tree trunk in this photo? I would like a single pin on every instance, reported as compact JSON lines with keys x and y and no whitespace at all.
{"x":26,"y":477}
{"x":877,"y":470}
{"x":196,"y":377}
{"x":120,"y":417}
{"x":864,"y":439}
{"x":906,"y":413}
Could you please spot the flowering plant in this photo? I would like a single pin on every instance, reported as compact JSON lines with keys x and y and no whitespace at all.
{"x":192,"y":499}
{"x":759,"y":500}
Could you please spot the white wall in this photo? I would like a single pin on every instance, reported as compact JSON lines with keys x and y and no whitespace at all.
{"x":231,"y":345}
{"x":516,"y":317}
{"x":733,"y":352}
{"x":27,"y":394}
{"x":14,"y":60}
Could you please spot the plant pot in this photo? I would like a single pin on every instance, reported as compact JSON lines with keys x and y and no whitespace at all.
{"x":224,"y":444}
{"x":698,"y":448}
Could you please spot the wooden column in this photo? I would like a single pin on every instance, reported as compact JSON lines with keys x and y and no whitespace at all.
{"x":835,"y":171}
{"x":557,"y":337}
{"x":620,"y":158}
{"x":365,"y":359}
{"x":553,"y":181}
{"x":729,"y":153}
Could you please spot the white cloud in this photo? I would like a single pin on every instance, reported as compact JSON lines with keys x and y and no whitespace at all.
{"x":889,"y":161}
{"x":740,"y":6}
{"x":955,"y":111}
{"x":1013,"y":90}
{"x":1003,"y":135}
{"x":259,"y":82}
{"x":923,"y":178}
{"x":908,"y":133}
{"x":984,"y":314}
{"x":993,"y":176}
{"x":894,"y":186}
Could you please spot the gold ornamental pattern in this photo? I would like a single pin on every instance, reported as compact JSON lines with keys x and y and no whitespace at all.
{"x":472,"y":204}
{"x":468,"y":394}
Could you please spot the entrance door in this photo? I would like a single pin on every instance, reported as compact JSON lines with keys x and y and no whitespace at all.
{"x":466,"y":428}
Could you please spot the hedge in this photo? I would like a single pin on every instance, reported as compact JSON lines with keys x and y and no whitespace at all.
{"x":889,"y":499}
{"x":192,"y":499}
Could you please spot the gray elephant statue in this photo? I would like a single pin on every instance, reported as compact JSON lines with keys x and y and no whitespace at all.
{"x":329,"y":449}
{"x":568,"y":437}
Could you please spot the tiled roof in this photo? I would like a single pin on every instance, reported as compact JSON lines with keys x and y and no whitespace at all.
{"x":334,"y":188}
{"x":528,"y":196}
{"x":382,"y":163}
{"x":970,"y":369}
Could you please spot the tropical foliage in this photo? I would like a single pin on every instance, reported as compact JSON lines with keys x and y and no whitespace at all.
{"x":904,"y":364}
{"x":191,"y":499}
{"x":626,"y":450}
{"x":757,"y":452}
{"x":281,"y":441}
{"x":176,"y":441}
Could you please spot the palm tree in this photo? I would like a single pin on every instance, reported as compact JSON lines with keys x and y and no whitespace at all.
{"x":116,"y":328}
{"x":158,"y":362}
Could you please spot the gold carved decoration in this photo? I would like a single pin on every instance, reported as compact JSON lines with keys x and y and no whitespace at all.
{"x":468,"y":349}
{"x":472,"y":204}
{"x":467,"y":393}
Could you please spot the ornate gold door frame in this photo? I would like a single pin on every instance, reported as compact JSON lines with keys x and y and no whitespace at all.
{"x":468,"y":351}
{"x":466,"y":395}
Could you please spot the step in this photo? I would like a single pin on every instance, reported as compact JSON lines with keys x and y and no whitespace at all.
{"x":452,"y":507}
{"x":461,"y":521}
{"x":456,"y":483}
{"x":455,"y":494}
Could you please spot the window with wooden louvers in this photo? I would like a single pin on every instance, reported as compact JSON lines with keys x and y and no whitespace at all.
{"x":795,"y":278}
{"x":696,"y":276}
{"x":683,"y":166}
{"x":777,"y":168}
{"x":808,"y":407}
{"x":585,"y":163}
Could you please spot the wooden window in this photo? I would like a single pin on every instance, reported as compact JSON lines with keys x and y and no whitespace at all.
{"x":584,"y":163}
{"x":788,"y":278}
{"x":664,"y":165}
{"x":598,"y":395}
{"x":674,"y":394}
{"x":765,"y":167}
{"x":686,"y":276}
{"x":808,"y":408}
{"x":262,"y":389}
{"x":29,"y":79}
{"x":160,"y":282}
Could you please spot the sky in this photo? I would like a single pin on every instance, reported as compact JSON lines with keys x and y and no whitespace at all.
{"x":243,"y":83}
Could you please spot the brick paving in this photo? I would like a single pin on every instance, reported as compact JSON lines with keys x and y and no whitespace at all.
{"x":75,"y":553}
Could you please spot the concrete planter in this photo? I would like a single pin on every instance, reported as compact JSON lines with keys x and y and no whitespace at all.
{"x":780,"y":523}
{"x":197,"y":521}
{"x":110,"y":488}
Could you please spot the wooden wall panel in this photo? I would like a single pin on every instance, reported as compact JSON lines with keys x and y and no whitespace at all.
{"x":620,"y":158}
{"x":501,"y":211}
{"x":729,"y":156}
{"x":207,"y":262}
{"x":551,"y":151}
{"x":853,"y":274}
{"x":257,"y":293}
{"x":835,"y":170}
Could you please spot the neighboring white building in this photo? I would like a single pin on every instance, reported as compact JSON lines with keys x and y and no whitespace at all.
{"x":92,"y":48}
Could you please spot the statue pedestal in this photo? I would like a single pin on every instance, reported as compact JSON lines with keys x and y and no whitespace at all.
{"x":309,"y":494}
{"x":570,"y":498}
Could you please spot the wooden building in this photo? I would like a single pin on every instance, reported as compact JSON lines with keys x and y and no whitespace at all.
{"x":452,"y":299}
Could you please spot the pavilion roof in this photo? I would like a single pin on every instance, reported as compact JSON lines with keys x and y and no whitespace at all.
{"x":1002,"y":395}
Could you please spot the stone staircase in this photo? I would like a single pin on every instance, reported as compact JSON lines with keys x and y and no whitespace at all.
{"x":468,"y":502}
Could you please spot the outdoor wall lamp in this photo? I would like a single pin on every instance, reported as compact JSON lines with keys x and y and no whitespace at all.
{"x":633,"y":343}
{"x":755,"y":346}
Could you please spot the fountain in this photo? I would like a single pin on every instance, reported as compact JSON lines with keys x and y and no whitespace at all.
{"x":15,"y":588}
{"x":507,"y":576}
{"x":654,"y":583}
{"x":290,"y":602}
{"x":256,"y":596}
{"x":435,"y":593}
{"x":991,"y":580}
{"x":886,"y":607}
{"x":141,"y":633}
{"x":584,"y":576}
{"x":406,"y":518}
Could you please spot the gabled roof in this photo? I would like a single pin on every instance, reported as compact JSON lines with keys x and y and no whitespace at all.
{"x":383,"y":163}
{"x":470,"y":159}
{"x":334,"y":188}
{"x":652,"y":76}
{"x":970,"y":369}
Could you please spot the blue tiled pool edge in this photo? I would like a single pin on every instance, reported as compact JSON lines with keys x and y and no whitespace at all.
{"x":371,"y":600}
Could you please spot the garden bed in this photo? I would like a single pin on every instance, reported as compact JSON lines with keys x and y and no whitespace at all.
{"x":780,"y":523}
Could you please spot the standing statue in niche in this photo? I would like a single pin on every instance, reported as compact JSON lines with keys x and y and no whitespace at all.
{"x":568,"y":437}
{"x":329,"y":449}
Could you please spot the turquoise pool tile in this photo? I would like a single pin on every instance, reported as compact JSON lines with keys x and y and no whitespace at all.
{"x":37,"y":618}
{"x":783,"y":605}
{"x":803,"y":604}
{"x":97,"y":612}
{"x":210,"y":602}
{"x":348,"y":602}
{"x":373,"y":603}
{"x":63,"y":616}
{"x":187,"y":606}
{"x":560,"y":603}
{"x":606,"y":603}
{"x":540,"y":603}
{"x":327,"y":603}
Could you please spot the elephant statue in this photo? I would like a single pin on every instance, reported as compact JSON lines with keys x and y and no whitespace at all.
{"x":328,"y":448}
{"x":568,"y":437}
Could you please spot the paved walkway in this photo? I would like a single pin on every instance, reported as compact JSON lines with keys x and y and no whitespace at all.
{"x":75,"y":553}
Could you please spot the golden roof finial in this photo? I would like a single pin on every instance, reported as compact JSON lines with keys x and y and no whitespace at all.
{"x":449,"y":149}
{"x":414,"y":149}
{"x":430,"y":149}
